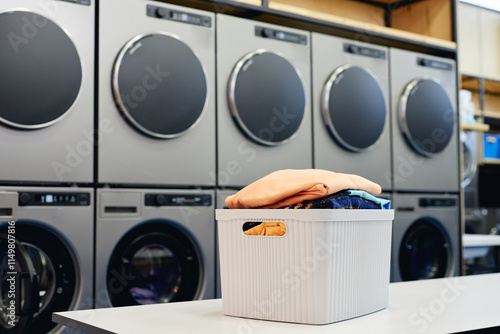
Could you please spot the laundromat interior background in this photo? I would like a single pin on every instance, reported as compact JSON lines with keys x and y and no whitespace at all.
{"x":124,"y":124}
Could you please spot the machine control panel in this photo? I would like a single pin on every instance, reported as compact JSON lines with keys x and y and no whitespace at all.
{"x":79,"y":2}
{"x":439,"y":65}
{"x":437,"y":202}
{"x":280,"y":35}
{"x":178,"y":200}
{"x":54,"y":199}
{"x":364,"y":51}
{"x":178,"y":16}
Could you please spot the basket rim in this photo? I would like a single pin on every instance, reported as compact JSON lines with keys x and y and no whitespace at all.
{"x":305,"y":214}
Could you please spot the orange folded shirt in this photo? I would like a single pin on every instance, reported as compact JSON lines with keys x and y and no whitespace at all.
{"x":268,"y":228}
{"x":291,"y":186}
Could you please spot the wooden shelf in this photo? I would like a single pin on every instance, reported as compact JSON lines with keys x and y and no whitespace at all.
{"x":428,"y":22}
{"x":476,"y":127}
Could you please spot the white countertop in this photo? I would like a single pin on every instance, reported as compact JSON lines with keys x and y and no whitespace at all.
{"x":446,"y":305}
{"x":480,"y":240}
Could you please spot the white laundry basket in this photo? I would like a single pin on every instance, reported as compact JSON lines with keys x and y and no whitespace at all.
{"x":331,"y":264}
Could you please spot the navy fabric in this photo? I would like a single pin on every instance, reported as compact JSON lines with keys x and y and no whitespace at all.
{"x":339,"y":200}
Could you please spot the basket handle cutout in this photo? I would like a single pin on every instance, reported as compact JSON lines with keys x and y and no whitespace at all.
{"x":269,"y":229}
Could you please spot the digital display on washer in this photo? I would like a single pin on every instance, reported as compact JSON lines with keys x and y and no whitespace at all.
{"x":426,"y":116}
{"x":281,"y":35}
{"x":178,"y":200}
{"x":54,"y":199}
{"x":79,"y":2}
{"x":175,"y":15}
{"x":160,"y":85}
{"x":267,"y":98}
{"x":354,"y":108}
{"x":41,"y":71}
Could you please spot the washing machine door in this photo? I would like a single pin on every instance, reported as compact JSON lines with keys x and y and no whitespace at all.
{"x":426,"y":116}
{"x":266,"y":97}
{"x":470,"y":158}
{"x":54,"y":263}
{"x":425,"y":251}
{"x":19,"y":285}
{"x":160,"y":85}
{"x":353,"y":108}
{"x":156,"y":262}
{"x":41,"y":72}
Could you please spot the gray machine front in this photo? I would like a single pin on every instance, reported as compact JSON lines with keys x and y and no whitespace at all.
{"x":424,"y":122}
{"x":154,"y":246}
{"x":263,"y":85}
{"x":156,"y":101}
{"x":47,"y":91}
{"x":55,"y":229}
{"x":426,"y":238}
{"x":351,"y":108}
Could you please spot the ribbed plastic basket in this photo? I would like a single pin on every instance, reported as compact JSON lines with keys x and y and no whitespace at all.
{"x":330,"y":265}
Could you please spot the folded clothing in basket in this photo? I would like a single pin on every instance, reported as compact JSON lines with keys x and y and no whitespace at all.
{"x":292,"y":186}
{"x":345,"y":199}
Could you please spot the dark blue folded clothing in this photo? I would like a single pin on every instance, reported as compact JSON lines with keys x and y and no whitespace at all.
{"x":345,"y":199}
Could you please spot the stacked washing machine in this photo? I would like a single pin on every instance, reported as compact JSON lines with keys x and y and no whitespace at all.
{"x":155,"y":227}
{"x":425,"y":162}
{"x":46,"y":142}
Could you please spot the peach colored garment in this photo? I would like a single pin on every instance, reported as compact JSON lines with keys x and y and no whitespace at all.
{"x":276,"y":229}
{"x":290,"y":186}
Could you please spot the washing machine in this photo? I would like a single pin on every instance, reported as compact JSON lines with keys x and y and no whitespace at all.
{"x":426,"y":238}
{"x":424,"y":122}
{"x":470,"y":158}
{"x":52,"y":233}
{"x":351,"y":124}
{"x":156,"y":94}
{"x":263,"y":100}
{"x":154,"y":246}
{"x":46,"y":91}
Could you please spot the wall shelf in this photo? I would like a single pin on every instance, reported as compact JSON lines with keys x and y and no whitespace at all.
{"x":417,"y":25}
{"x":476,"y":127}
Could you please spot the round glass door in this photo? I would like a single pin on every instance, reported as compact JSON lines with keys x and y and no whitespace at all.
{"x":159,"y":85}
{"x":41,"y":72}
{"x":17,"y":317}
{"x":354,"y":108}
{"x":425,"y":251}
{"x":56,"y":269}
{"x":426,"y":116}
{"x":156,"y":262}
{"x":266,"y":98}
{"x":469,"y":162}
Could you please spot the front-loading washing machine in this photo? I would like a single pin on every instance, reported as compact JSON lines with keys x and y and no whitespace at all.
{"x":470,"y":159}
{"x":426,"y":239}
{"x":263,"y":100}
{"x":351,"y":124}
{"x":424,"y":122}
{"x":154,"y":246}
{"x":156,"y":94}
{"x":47,"y":91}
{"x":53,"y":256}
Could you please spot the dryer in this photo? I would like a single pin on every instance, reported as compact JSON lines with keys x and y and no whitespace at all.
{"x":470,"y":147}
{"x":154,"y":246}
{"x":424,"y":122}
{"x":426,"y":238}
{"x":46,"y":91}
{"x":156,"y":94}
{"x":54,"y":231}
{"x":351,"y":123}
{"x":263,"y":111}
